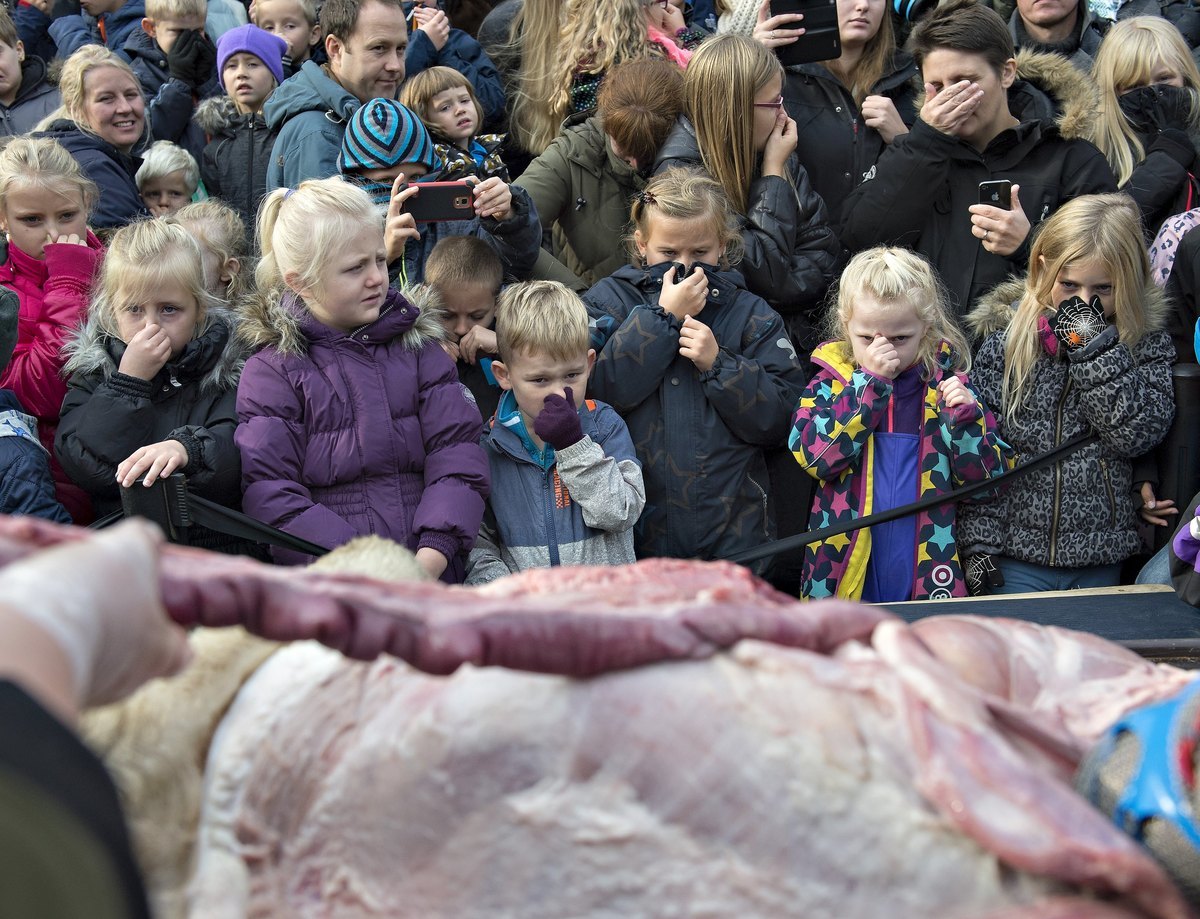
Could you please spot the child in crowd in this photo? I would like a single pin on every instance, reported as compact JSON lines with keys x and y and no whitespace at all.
{"x":432,"y":41}
{"x":174,"y":61}
{"x":891,"y":418}
{"x":167,"y":179}
{"x":26,"y":484}
{"x":1149,"y":116}
{"x":45,"y":200}
{"x":387,"y":151}
{"x":218,"y":229}
{"x":234,"y":164}
{"x":462,"y":280}
{"x":567,"y":487}
{"x":701,"y":370}
{"x":26,"y":95}
{"x":295,"y":21}
{"x":1084,"y":350}
{"x":351,"y":417}
{"x":446,"y":103}
{"x":153,"y":376}
{"x":100,"y":22}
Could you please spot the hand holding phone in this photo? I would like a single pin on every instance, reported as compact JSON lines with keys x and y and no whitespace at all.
{"x":493,"y":198}
{"x":775,"y":31}
{"x":821,"y":38}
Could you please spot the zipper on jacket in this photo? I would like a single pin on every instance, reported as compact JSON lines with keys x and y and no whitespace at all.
{"x":548,"y":504}
{"x":1112,"y":502}
{"x":1057,"y":471}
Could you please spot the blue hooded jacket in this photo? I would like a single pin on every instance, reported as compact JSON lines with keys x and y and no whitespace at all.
{"x":310,"y":111}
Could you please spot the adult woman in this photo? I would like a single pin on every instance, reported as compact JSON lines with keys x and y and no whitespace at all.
{"x":583,"y":184}
{"x":566,"y":48}
{"x":102,"y":122}
{"x":846,"y":110}
{"x":736,"y":128}
{"x":1149,"y":115}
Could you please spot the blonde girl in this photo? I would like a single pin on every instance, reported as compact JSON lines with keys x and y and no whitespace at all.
{"x":445,"y":101}
{"x":735,"y":127}
{"x":102,"y":123}
{"x":51,"y":255}
{"x":1085,"y":350}
{"x":352,"y":419}
{"x":153,"y":375}
{"x":218,"y":229}
{"x":700,"y":369}
{"x":566,"y":47}
{"x":1149,"y":116}
{"x":889,"y":418}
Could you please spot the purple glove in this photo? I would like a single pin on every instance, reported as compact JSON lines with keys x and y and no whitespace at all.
{"x":558,"y":422}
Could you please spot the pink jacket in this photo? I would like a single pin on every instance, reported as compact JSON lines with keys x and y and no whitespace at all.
{"x":54,"y":298}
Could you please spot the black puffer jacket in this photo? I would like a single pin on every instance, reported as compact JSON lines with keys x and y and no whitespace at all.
{"x":834,"y":145}
{"x":1080,"y":511}
{"x":108,"y":415}
{"x":926,"y":181}
{"x":791,"y":250}
{"x":234,"y":164}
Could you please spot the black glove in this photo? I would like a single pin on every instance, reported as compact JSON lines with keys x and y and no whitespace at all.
{"x":192,"y":59}
{"x":982,"y":575}
{"x":1076,"y":323}
{"x":1175,"y":144}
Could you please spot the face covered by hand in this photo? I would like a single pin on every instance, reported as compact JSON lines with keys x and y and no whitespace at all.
{"x":1150,"y":109}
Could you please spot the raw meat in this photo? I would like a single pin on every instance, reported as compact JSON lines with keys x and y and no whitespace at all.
{"x":733,"y":753}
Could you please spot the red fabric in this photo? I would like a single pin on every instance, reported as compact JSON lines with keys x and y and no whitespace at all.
{"x":54,"y":297}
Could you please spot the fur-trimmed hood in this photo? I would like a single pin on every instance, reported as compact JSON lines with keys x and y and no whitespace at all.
{"x":218,"y":115}
{"x":1048,"y":88}
{"x":995,"y":309}
{"x":215,"y":357}
{"x":284,"y":324}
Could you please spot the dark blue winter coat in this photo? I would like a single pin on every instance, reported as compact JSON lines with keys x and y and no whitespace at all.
{"x":111,"y":170}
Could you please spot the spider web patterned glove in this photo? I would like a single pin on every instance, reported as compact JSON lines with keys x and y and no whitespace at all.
{"x":1076,"y":323}
{"x":982,"y":575}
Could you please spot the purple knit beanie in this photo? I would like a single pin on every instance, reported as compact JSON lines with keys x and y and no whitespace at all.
{"x":268,"y":48}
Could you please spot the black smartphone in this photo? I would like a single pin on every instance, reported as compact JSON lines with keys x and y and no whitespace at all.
{"x":997,"y":193}
{"x":441,"y":201}
{"x":821,"y":40}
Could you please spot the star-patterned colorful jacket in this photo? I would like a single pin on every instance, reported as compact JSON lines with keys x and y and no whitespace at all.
{"x":832,"y":438}
{"x":700,"y":436}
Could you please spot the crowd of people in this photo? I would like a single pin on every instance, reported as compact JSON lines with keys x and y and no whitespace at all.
{"x":600,"y":280}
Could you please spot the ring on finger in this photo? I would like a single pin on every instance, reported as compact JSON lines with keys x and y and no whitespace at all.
{"x":985,"y":234}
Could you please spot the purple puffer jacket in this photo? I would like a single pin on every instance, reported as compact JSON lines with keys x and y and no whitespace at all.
{"x":345,"y":434}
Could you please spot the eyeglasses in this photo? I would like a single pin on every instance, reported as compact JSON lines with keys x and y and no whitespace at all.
{"x":776,"y":104}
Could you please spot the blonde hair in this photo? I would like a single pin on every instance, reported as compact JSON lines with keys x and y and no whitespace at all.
{"x":141,"y":258}
{"x":719,"y":86}
{"x":162,"y":159}
{"x":876,"y":55}
{"x":218,"y":228}
{"x":898,"y":276}
{"x":8,"y":29}
{"x":1104,"y":228}
{"x":1131,"y":51}
{"x":72,"y":79}
{"x":44,"y":163}
{"x":687,"y":194}
{"x":308,"y":9}
{"x":418,"y":91}
{"x":158,"y":10}
{"x":561,"y":39}
{"x":299,"y":229}
{"x":541,"y":317}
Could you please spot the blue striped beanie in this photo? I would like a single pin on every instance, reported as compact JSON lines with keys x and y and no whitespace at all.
{"x":383,"y":133}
